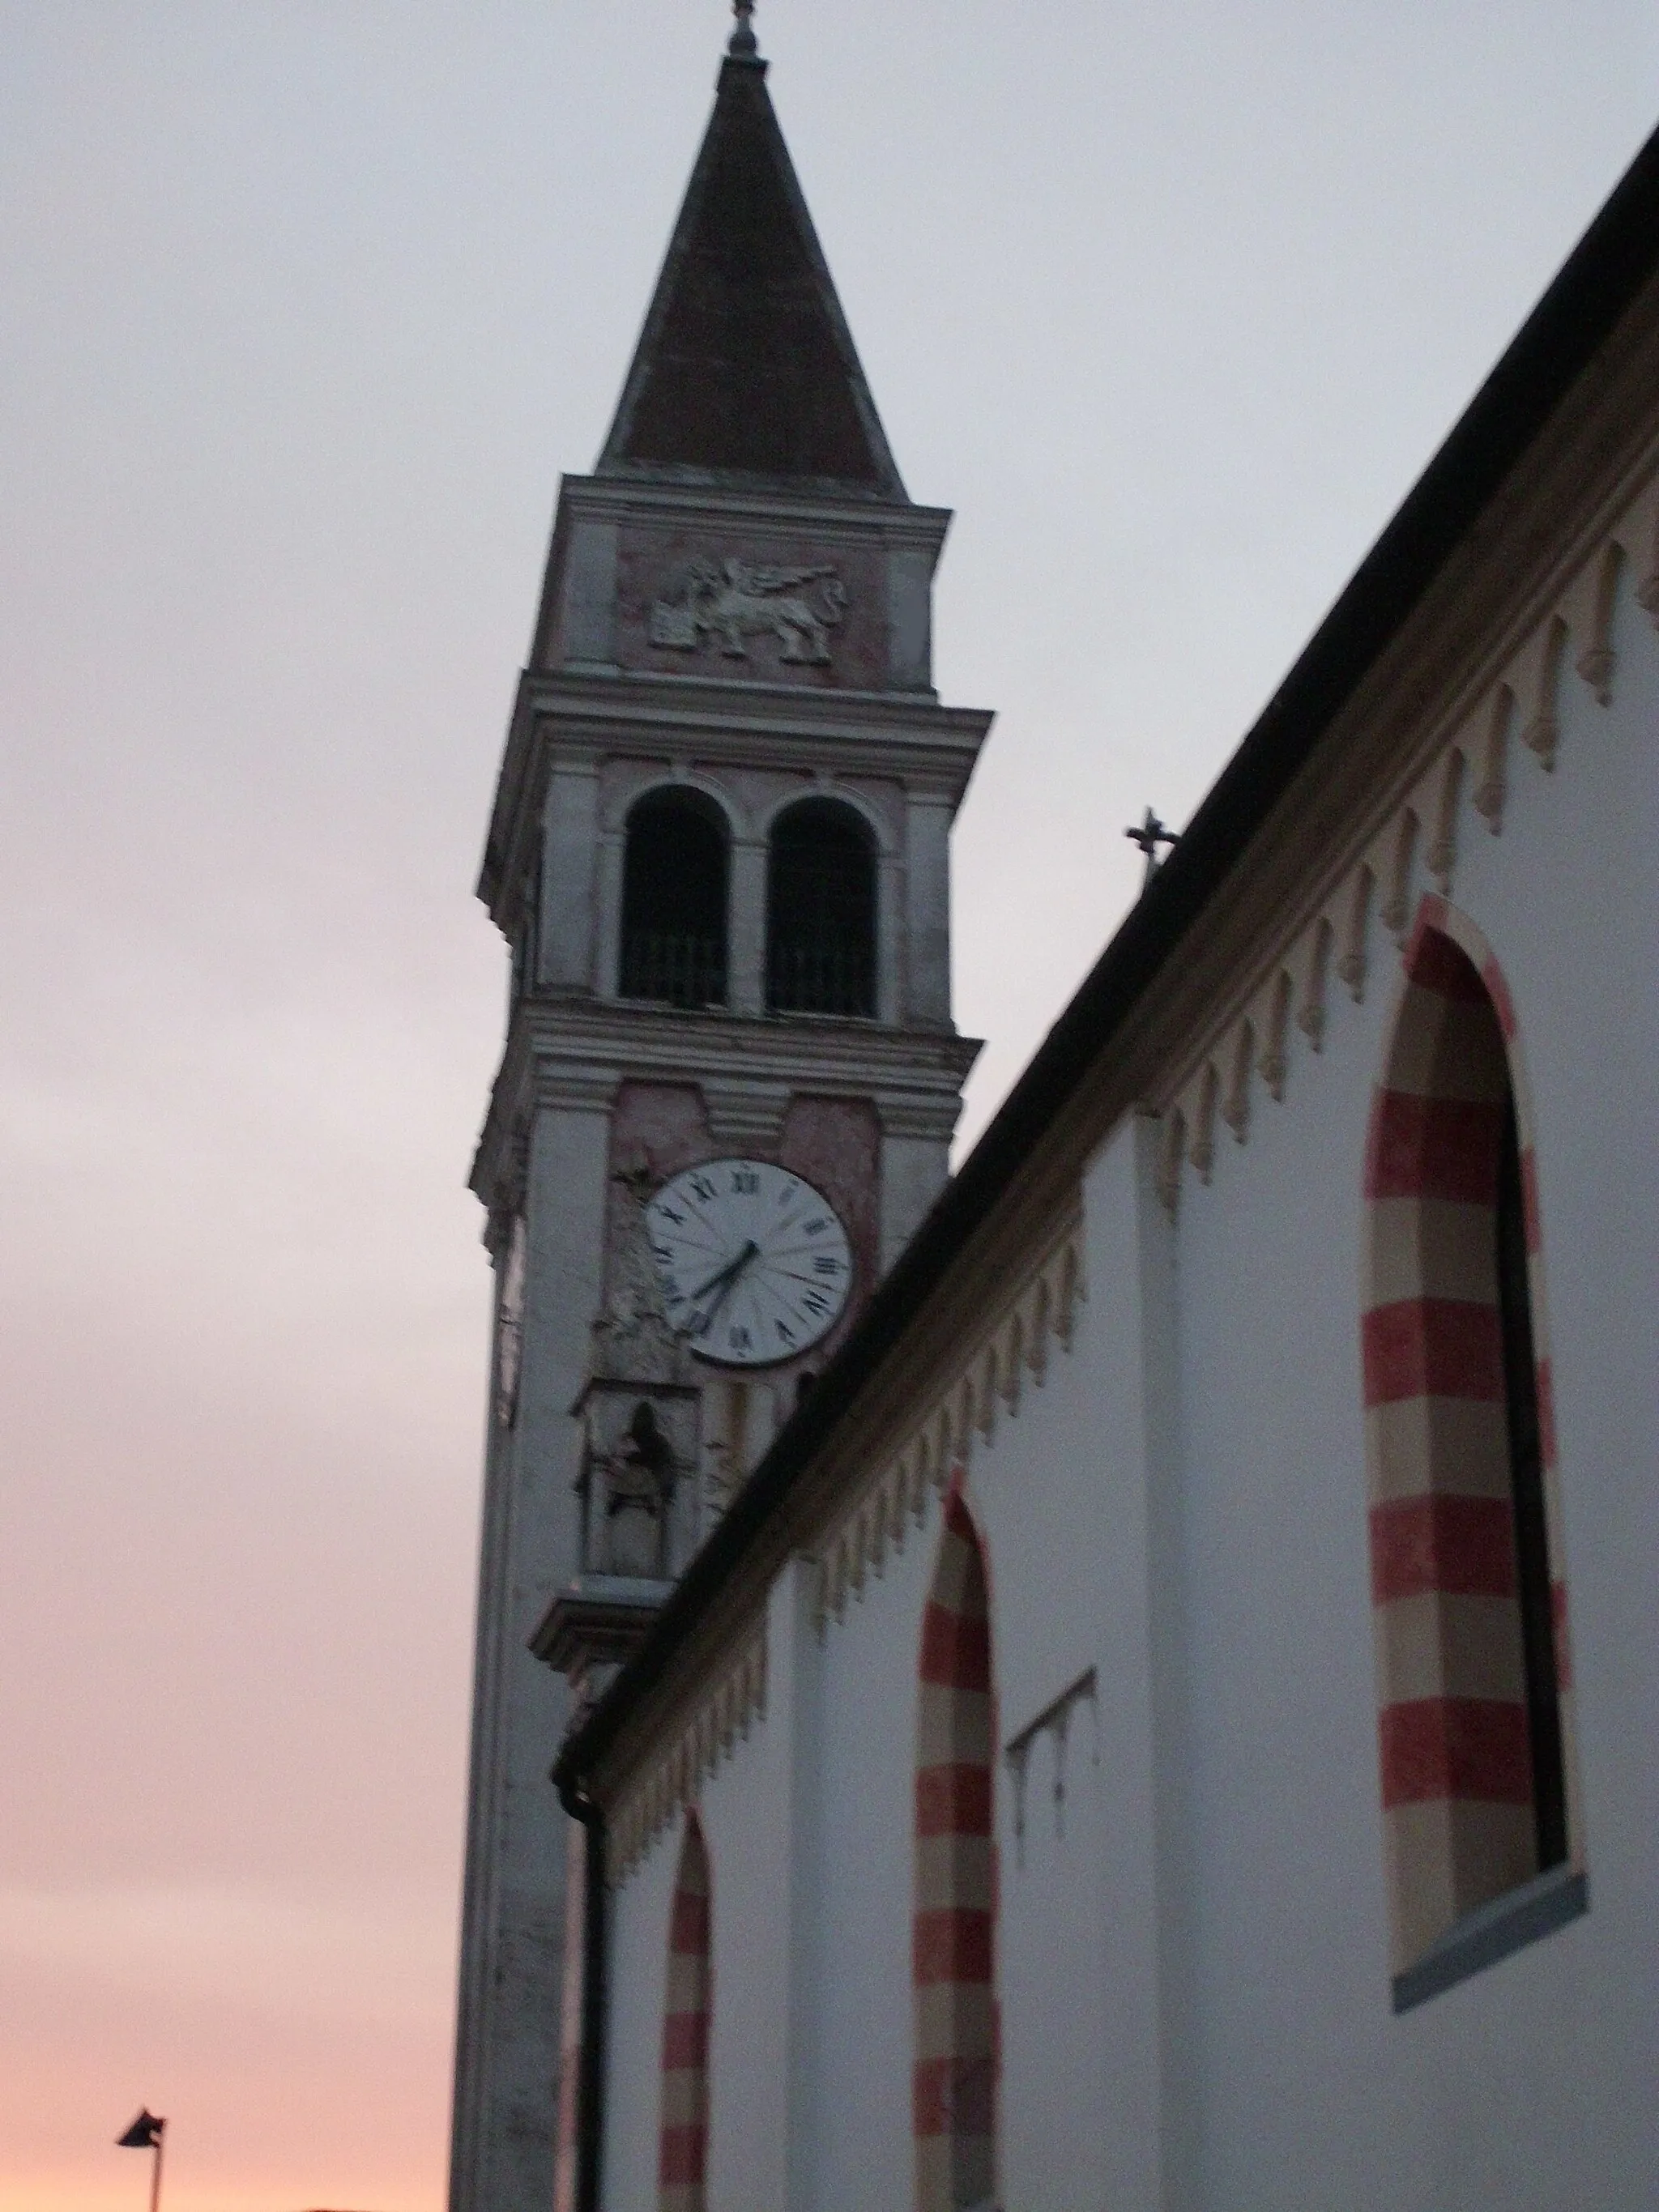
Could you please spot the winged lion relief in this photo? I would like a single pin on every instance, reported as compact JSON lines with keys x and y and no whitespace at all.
{"x":734,"y":600}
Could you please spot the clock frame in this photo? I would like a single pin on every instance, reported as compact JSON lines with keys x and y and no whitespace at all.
{"x":755,"y":1264}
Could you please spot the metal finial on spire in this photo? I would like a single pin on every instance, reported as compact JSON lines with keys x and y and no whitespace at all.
{"x":743,"y":43}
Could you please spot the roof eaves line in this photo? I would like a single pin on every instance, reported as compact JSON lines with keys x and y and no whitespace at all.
{"x":1555,"y":343}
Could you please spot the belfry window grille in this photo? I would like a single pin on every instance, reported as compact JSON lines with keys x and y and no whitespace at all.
{"x":674,"y":902}
{"x":821,"y":913}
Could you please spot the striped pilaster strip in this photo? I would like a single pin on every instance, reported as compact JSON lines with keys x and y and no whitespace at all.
{"x":683,"y":2158}
{"x":953,"y":2097}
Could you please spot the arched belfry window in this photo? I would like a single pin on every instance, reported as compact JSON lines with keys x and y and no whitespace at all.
{"x":683,"y":2147}
{"x":1465,"y":1576}
{"x":821,"y":912}
{"x":674,"y":901}
{"x":953,"y":2087}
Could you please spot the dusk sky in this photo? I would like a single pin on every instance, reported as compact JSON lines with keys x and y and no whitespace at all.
{"x":304,"y":304}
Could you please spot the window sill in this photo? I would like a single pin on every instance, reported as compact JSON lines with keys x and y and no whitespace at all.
{"x":1481,"y":1938}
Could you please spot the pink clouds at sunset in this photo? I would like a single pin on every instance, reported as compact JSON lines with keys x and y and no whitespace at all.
{"x":302,"y":309}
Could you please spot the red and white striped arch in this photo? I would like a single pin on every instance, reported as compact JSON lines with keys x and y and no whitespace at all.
{"x":1457,"y":1772}
{"x":954,"y":1929}
{"x":682,"y":2154}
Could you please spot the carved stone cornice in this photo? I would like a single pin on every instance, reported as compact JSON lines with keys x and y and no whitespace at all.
{"x":597,"y":1620}
{"x":930,"y":1115}
{"x":702,"y":1733}
{"x":993,"y":1365}
{"x":743,"y":1111}
{"x":825,"y":515}
{"x":587,"y":715}
{"x":574,"y":1054}
{"x":1424,"y":758}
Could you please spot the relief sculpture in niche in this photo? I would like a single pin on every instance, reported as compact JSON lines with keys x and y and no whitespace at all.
{"x":738,"y":600}
{"x":639,"y":1409}
{"x":640,"y":1475}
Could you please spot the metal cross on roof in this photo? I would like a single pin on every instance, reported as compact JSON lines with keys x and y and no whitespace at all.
{"x":743,"y":42}
{"x":1149,"y":836}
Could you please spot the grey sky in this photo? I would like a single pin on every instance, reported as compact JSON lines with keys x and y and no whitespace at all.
{"x":302,"y":308}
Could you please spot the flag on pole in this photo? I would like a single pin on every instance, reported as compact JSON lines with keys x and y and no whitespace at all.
{"x":144,"y":2134}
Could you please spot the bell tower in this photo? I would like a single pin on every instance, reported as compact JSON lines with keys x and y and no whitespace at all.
{"x":718,"y":853}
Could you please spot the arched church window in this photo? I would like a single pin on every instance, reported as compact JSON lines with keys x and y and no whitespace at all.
{"x":821,"y":912}
{"x":683,"y":2151}
{"x":674,"y":901}
{"x":1464,"y":1558}
{"x":953,"y":2091}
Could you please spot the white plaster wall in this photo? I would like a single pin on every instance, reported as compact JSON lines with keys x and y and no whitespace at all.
{"x":1037,"y":1485}
{"x":638,"y":1983}
{"x":1529,"y":2086}
{"x":1194,"y":1974}
{"x":859,"y":2109}
{"x":749,"y":1807}
{"x":744,"y":1819}
{"x":1034,"y":1487}
{"x":746,"y":1806}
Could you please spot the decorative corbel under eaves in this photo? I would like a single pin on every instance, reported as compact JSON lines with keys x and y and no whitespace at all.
{"x":1470,"y":764}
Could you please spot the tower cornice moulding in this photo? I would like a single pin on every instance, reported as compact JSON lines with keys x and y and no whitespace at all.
{"x":576,"y":1053}
{"x":624,"y":498}
{"x":580,"y":719}
{"x":577,"y":702}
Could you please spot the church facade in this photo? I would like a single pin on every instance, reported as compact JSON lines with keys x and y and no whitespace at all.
{"x":1161,"y":1717}
{"x":1168,"y":1722}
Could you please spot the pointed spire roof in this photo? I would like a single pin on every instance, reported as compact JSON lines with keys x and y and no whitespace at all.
{"x":747,"y":367}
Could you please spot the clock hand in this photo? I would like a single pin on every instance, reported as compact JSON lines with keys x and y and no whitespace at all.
{"x":729,"y":1270}
{"x":723,"y":1283}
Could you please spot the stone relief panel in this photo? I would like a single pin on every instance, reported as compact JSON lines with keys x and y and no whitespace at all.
{"x":746,"y":607}
{"x":640,"y":1512}
{"x":728,"y":603}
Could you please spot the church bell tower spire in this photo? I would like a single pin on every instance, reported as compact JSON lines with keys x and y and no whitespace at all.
{"x":719,"y":855}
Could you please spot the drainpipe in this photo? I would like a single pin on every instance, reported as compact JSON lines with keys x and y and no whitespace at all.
{"x":590,"y":2086}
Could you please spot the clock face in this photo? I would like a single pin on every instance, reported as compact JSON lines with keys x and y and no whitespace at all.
{"x":754,"y":1263}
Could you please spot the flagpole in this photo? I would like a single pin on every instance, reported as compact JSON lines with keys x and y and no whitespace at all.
{"x":155,"y":2172}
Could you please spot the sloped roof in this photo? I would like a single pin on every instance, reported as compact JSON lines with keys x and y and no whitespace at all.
{"x":1615,"y":260}
{"x":746,"y":366}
